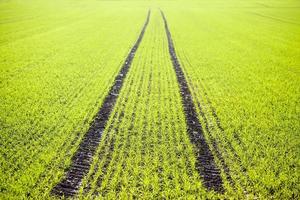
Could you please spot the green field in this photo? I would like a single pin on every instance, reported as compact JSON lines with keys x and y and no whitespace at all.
{"x":241,"y":61}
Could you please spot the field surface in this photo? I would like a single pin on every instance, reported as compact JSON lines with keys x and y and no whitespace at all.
{"x":149,"y":99}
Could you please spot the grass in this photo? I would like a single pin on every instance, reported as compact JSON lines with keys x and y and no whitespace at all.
{"x":241,"y":59}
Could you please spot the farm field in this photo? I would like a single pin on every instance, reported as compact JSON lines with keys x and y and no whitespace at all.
{"x":150,"y":99}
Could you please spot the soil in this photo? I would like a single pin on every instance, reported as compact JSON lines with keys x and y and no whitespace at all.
{"x":219,"y":126}
{"x":83,"y":157}
{"x":205,"y":163}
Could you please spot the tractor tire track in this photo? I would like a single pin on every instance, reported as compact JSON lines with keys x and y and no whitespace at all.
{"x":105,"y":153}
{"x":213,"y":111}
{"x":122,"y":153}
{"x":121,"y":147}
{"x":82,"y":159}
{"x":216,"y":147}
{"x":69,"y":143}
{"x":205,"y":163}
{"x":277,"y":19}
{"x":228,"y":147}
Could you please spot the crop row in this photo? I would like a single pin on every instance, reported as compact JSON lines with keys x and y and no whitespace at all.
{"x":145,"y":151}
{"x":243,"y":74}
{"x":50,"y":92}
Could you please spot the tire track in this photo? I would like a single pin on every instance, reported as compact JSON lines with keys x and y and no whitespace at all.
{"x":277,"y":19}
{"x":228,"y":147}
{"x":105,"y":152}
{"x":82,"y":159}
{"x":205,"y":163}
{"x":109,"y":170}
{"x":213,"y":110}
{"x":68,"y":144}
{"x":209,"y":129}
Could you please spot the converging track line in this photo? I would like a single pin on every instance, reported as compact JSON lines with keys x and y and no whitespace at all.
{"x":205,"y":164}
{"x":83,"y":157}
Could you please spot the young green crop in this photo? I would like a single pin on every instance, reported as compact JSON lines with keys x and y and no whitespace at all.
{"x":53,"y":81}
{"x":145,"y":151}
{"x":241,"y":59}
{"x":243,"y":66}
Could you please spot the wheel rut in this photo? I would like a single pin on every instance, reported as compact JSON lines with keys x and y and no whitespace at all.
{"x":205,"y":164}
{"x":83,"y":157}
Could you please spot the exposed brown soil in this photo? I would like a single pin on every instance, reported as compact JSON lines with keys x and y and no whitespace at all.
{"x":205,"y":164}
{"x":126,"y":142}
{"x":229,"y":145}
{"x":216,"y":148}
{"x":83,"y":157}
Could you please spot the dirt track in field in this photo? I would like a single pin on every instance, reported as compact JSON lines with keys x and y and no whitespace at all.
{"x":83,"y":157}
{"x":205,"y":164}
{"x":219,"y":149}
